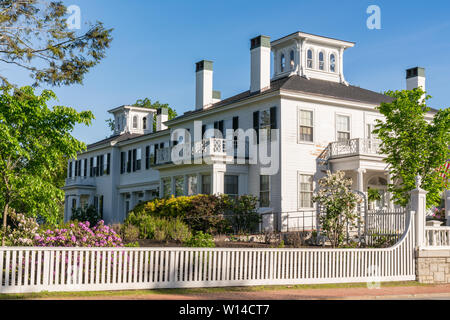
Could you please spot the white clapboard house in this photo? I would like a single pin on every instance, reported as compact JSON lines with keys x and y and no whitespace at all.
{"x":298,"y":94}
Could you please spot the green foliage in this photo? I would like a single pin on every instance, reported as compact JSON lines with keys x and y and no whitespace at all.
{"x":34,"y":37}
{"x":373,"y":195}
{"x":134,"y":244}
{"x":339,"y":204}
{"x":244,"y":217}
{"x":33,"y":140}
{"x":413,"y":145}
{"x":88,"y":213}
{"x":200,"y":240}
{"x":22,"y":231}
{"x":129,"y":232}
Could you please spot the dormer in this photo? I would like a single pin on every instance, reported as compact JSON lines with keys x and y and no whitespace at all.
{"x":130,"y":119}
{"x":309,"y":56}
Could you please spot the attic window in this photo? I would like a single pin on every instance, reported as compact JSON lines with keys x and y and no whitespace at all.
{"x":321,"y":61}
{"x":292,"y":61}
{"x":135,"y":122}
{"x":282,"y":62}
{"x":144,"y":123}
{"x":309,"y":62}
{"x":332,"y":63}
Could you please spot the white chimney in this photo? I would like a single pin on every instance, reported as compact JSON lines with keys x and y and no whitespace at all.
{"x":415,"y":77}
{"x":204,"y":84}
{"x":162,"y":115}
{"x":260,"y":63}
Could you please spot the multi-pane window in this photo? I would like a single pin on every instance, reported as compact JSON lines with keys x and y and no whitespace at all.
{"x":264,"y":122}
{"x":138,"y":158}
{"x":122,"y":162}
{"x":192,"y":184}
{"x":264,"y":191}
{"x":343,"y":127}
{"x":321,"y":61}
{"x":206,"y":184}
{"x":292,"y":59}
{"x":309,"y":60}
{"x":231,"y":186}
{"x":306,"y":130}
{"x":332,"y":63}
{"x":144,"y":123}
{"x":179,"y":186}
{"x":135,"y":122}
{"x":166,"y":186}
{"x":305,"y":187}
{"x":282,"y":63}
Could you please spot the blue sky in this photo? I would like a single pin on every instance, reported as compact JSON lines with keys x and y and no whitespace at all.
{"x":156,"y":44}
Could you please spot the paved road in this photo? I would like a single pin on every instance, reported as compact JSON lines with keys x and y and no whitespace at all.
{"x":437,"y":292}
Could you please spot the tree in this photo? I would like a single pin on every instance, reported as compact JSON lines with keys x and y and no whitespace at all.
{"x":34,"y":36}
{"x":33,"y":140}
{"x":339,"y":203}
{"x":147,"y":103}
{"x":412,"y":145}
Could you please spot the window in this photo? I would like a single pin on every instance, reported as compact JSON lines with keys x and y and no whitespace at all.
{"x":167,"y":186}
{"x":305,"y":187}
{"x":138,"y":158}
{"x":135,"y":122}
{"x":306,"y":126}
{"x":108,"y":163}
{"x":122,"y":162}
{"x":343,"y":127}
{"x":264,"y":191}
{"x":179,"y":186}
{"x":332,"y":63}
{"x":129,"y":161}
{"x":85,"y":168}
{"x":206,"y":184}
{"x":100,"y":207}
{"x":70,"y":170}
{"x":264,"y":121}
{"x":309,"y":61}
{"x":231,"y":186}
{"x":74,"y":203}
{"x":282,"y":63}
{"x":192,"y":184}
{"x":321,"y":61}
{"x":144,"y":123}
{"x":292,"y":59}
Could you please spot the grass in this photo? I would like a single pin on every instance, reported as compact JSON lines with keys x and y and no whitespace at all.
{"x":57,"y":295}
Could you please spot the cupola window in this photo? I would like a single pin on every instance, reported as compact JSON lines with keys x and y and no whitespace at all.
{"x":135,"y":122}
{"x":292,"y":60}
{"x":321,"y":61}
{"x":309,"y":62}
{"x":144,"y":123}
{"x":282,"y":62}
{"x":332,"y":63}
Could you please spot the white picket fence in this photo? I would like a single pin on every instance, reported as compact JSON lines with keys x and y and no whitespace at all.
{"x":31,"y":269}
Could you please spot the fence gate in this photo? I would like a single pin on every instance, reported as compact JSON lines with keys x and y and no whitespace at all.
{"x":31,"y":269}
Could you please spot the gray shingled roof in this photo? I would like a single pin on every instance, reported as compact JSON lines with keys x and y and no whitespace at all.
{"x":311,"y":86}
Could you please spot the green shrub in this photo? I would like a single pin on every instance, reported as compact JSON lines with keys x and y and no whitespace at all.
{"x":134,"y":244}
{"x":87,"y":213}
{"x":244,"y":217}
{"x":130,"y":232}
{"x":200,"y":240}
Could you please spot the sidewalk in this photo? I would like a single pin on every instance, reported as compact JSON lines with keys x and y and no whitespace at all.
{"x":412,"y":292}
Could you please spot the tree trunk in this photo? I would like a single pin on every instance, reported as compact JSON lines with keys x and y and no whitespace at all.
{"x":5,"y":215}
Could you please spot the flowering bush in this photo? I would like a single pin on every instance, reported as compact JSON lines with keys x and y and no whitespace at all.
{"x":79,"y":235}
{"x":438,"y":214}
{"x":24,"y":231}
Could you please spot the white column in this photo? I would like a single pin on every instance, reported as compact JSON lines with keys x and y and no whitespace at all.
{"x":360,"y":173}
{"x":447,"y":206}
{"x":218,"y":179}
{"x":341,"y":64}
{"x":418,"y":204}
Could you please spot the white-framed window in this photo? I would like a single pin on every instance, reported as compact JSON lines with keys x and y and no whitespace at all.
{"x":282,"y":62}
{"x":342,"y":127}
{"x":292,"y":59}
{"x":306,"y":125}
{"x":179,"y":186}
{"x":265,"y":122}
{"x":166,"y":186}
{"x":206,"y":184}
{"x":231,"y":187}
{"x":135,"y":122}
{"x":309,"y":60}
{"x":321,"y":61}
{"x":264,"y":191}
{"x":305,"y":190}
{"x":192,"y":184}
{"x":332,"y":62}
{"x":144,"y":123}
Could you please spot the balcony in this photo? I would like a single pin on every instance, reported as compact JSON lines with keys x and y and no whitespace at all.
{"x":80,"y":181}
{"x":354,"y":147}
{"x":212,"y":149}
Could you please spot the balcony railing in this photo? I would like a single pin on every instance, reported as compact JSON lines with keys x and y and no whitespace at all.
{"x":211,"y":147}
{"x":84,"y":181}
{"x":354,"y":147}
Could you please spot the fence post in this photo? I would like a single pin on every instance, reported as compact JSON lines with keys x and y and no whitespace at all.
{"x":447,"y":206}
{"x":418,"y":204}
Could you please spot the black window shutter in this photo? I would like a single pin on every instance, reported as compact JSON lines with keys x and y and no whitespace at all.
{"x":235,"y":123}
{"x":91,"y":167}
{"x":203,"y":131}
{"x":273,"y":118}
{"x":97,"y":171}
{"x":108,"y":163}
{"x":134,"y":160}
{"x":76,"y":168}
{"x":85,"y":167}
{"x":70,"y":169}
{"x":221,"y":128}
{"x":79,"y":168}
{"x":147,"y":157}
{"x":122,"y":162}
{"x":161,"y":145}
{"x":101,"y":164}
{"x":256,"y":124}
